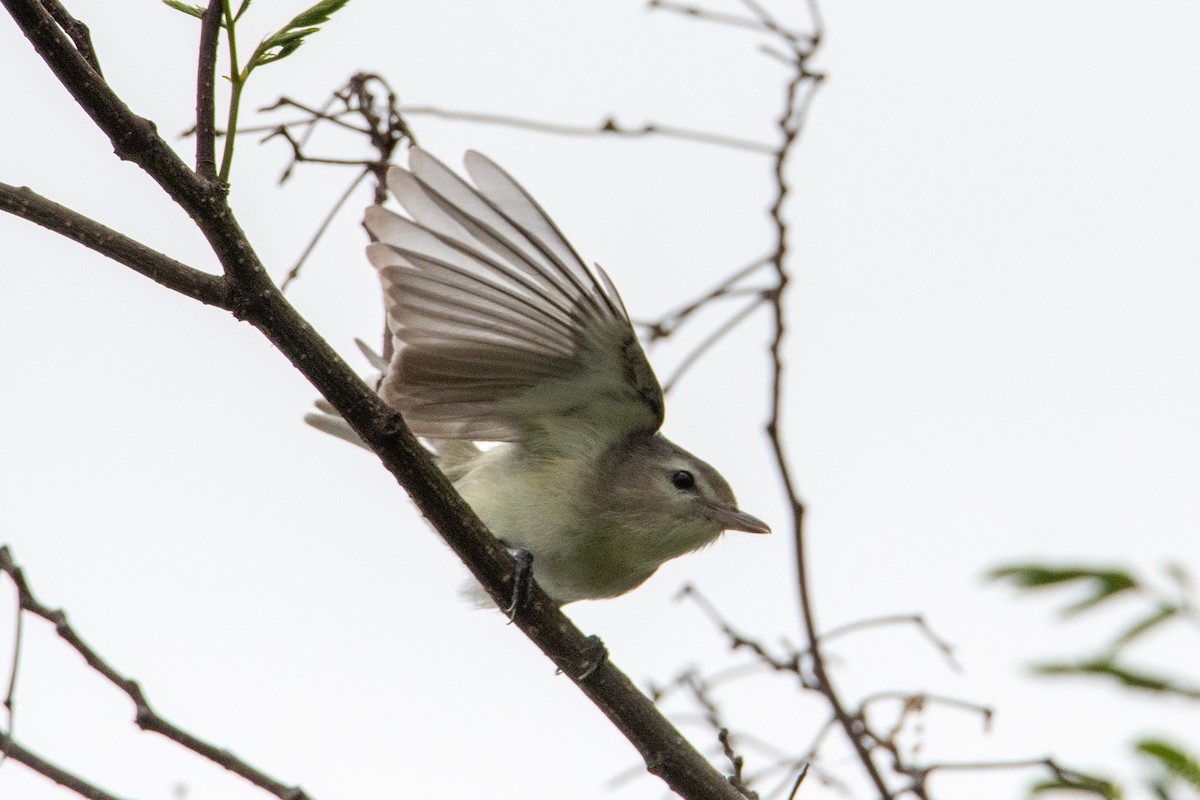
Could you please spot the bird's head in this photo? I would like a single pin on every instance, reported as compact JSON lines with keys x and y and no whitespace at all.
{"x":661,"y":490}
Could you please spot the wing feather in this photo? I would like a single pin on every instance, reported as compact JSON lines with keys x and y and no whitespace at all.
{"x":500,"y":331}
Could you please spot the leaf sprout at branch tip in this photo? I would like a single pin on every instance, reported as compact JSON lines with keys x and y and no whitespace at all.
{"x":275,"y":47}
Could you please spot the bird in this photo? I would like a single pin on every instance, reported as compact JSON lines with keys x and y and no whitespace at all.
{"x":502,"y":335}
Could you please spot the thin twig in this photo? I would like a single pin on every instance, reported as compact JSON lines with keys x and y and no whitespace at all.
{"x":670,"y":322}
{"x":917,"y":620}
{"x":985,"y":712}
{"x":799,"y":43}
{"x":739,"y":641}
{"x":294,"y":272}
{"x":790,"y":123}
{"x":737,"y":762}
{"x":609,"y":127}
{"x":10,"y":696}
{"x":299,"y":157}
{"x":313,"y":115}
{"x":799,"y":780}
{"x":81,"y":37}
{"x":706,"y":344}
{"x":703,"y":14}
{"x":62,"y":777}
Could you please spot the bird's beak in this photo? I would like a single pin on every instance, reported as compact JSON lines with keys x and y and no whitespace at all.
{"x":733,"y":520}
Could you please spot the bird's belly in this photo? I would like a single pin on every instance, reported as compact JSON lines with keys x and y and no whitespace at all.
{"x":573,"y":557}
{"x":570,"y":563}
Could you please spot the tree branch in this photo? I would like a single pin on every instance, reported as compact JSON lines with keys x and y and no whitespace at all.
{"x":52,"y":771}
{"x":23,"y":202}
{"x":608,"y":127}
{"x":79,"y":33}
{"x":206,"y":70}
{"x":798,"y":93}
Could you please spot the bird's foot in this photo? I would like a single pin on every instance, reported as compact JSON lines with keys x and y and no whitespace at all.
{"x":522,"y":580}
{"x":597,"y":654}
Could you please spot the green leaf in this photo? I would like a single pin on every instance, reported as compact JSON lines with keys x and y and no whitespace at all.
{"x":191,"y":11}
{"x":1164,"y":612}
{"x":1084,"y":784}
{"x":1173,"y":760}
{"x":318,"y":14}
{"x":287,"y":39}
{"x":1177,"y":573}
{"x":1127,"y":677}
{"x":1102,"y":584}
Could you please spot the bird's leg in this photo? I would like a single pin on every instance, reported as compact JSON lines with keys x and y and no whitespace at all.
{"x":598,"y":653}
{"x":522,"y":579}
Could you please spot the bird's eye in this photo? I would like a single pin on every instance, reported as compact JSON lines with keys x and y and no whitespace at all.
{"x":683,"y":480}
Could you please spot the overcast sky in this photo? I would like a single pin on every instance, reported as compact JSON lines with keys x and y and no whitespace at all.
{"x":992,"y":358}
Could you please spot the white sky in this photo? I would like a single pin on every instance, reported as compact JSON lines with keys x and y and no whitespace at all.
{"x":993,"y":357}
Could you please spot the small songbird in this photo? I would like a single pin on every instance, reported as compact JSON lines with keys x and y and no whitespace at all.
{"x":501,"y":333}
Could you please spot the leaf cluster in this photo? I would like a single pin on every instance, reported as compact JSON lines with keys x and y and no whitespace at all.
{"x":273,"y":47}
{"x":1173,"y":764}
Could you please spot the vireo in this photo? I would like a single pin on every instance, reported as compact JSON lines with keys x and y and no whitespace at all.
{"x":501,"y":333}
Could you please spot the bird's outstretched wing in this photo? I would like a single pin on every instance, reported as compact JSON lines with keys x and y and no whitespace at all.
{"x":500,"y":331}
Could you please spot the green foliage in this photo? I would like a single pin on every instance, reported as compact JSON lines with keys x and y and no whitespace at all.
{"x":1101,"y":584}
{"x":1173,"y":764}
{"x":1078,"y":784}
{"x":1127,"y":677}
{"x":284,"y":42}
{"x":194,"y":11}
{"x":272,"y":48}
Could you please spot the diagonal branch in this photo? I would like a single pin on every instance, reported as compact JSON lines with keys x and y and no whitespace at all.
{"x":47,"y":769}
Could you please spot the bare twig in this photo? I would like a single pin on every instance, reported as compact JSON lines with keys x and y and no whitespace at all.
{"x":917,"y":620}
{"x":41,"y":766}
{"x":801,"y":44}
{"x":10,"y":696}
{"x":798,"y":93}
{"x":985,"y":712}
{"x":311,"y":115}
{"x":81,"y":37}
{"x":668,"y":323}
{"x":385,"y":128}
{"x":739,"y":641}
{"x":736,"y":762}
{"x":726,"y":20}
{"x":920,"y":776}
{"x":718,"y":333}
{"x":294,"y":272}
{"x":799,"y":780}
{"x":299,"y":157}
{"x":608,"y":127}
